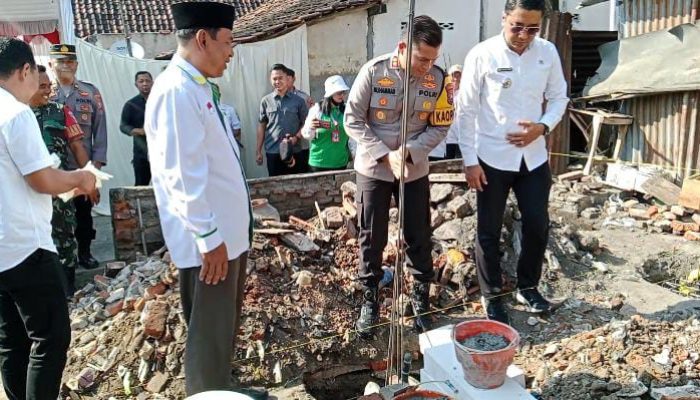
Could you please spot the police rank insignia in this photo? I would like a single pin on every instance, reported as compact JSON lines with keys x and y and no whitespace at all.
{"x":423,"y":116}
{"x":507,"y":83}
{"x":381,"y":115}
{"x":383,"y":101}
{"x":427,"y":105}
{"x":386,"y":82}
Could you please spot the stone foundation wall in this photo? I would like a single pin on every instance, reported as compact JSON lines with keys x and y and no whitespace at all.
{"x":291,"y":195}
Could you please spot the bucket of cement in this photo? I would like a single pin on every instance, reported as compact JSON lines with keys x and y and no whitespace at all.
{"x":485,"y":349}
{"x":219,"y":395}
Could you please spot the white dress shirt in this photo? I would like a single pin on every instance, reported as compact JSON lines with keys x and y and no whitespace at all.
{"x":500,"y":88}
{"x":25,"y":215}
{"x":199,"y":183}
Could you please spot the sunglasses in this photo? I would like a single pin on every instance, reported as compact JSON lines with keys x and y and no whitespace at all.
{"x":530,"y":30}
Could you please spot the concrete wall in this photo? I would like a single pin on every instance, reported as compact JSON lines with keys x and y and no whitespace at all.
{"x":291,"y":195}
{"x":460,"y":20}
{"x":337,"y":46}
{"x":152,"y":43}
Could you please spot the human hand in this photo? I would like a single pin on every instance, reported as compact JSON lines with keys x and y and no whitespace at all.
{"x":258,"y":158}
{"x":395,"y":159}
{"x":214,"y":265}
{"x":530,"y":132}
{"x":476,"y":178}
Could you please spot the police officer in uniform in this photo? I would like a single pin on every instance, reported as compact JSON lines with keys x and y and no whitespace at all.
{"x":85,"y":101}
{"x":62,"y":136}
{"x":373,"y":119}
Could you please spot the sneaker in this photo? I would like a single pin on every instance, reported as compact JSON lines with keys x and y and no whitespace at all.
{"x":420,"y":300}
{"x":533,"y":300}
{"x":87,"y":261}
{"x":369,"y":314}
{"x":495,"y":309}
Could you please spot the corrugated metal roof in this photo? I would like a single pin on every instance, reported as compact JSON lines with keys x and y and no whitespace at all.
{"x":643,"y":16}
{"x":666,"y":129}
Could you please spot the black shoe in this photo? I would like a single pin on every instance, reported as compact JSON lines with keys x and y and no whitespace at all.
{"x":495,"y":310}
{"x":420,"y":300}
{"x":87,"y":261}
{"x":253,"y":393}
{"x":369,"y":314}
{"x":533,"y":300}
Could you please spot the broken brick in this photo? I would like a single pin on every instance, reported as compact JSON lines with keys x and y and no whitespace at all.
{"x":640,"y":213}
{"x":682,"y":227}
{"x":114,"y":308}
{"x":157,"y":383}
{"x":154,"y":316}
{"x":694,"y":236}
{"x":154,"y":291}
{"x":334,"y":217}
{"x":102,"y":281}
{"x":652,"y":211}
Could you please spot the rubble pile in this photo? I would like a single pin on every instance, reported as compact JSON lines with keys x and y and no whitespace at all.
{"x":637,"y":358}
{"x":302,"y":295}
{"x":588,"y":198}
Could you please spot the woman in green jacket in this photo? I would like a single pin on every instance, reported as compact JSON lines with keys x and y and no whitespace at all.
{"x":324,"y":127}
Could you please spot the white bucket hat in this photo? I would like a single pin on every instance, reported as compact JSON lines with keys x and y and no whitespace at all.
{"x":454,"y":68}
{"x":335,"y":84}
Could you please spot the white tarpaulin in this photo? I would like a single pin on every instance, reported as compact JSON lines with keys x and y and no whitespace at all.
{"x":244,"y":83}
{"x":28,"y":17}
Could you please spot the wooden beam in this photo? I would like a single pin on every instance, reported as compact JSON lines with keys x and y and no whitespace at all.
{"x":662,"y":189}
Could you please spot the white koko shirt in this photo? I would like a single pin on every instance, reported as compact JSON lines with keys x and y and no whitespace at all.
{"x":25,"y":215}
{"x":500,"y":88}
{"x":198,"y":180}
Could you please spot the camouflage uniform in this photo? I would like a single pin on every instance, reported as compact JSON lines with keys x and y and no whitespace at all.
{"x":59,"y":128}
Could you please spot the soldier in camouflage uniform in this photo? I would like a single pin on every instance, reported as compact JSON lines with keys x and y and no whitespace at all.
{"x":85,"y":101}
{"x":62,"y":135}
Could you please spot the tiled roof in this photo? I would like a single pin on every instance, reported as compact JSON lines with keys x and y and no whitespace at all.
{"x":276,"y":17}
{"x":102,"y":16}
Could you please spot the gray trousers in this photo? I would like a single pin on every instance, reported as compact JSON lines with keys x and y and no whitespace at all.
{"x":213,"y":316}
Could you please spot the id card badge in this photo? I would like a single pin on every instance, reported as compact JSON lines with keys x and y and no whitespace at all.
{"x":335,"y":137}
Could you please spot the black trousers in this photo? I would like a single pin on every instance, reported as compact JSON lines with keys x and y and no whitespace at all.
{"x":84,"y":232}
{"x":142,"y":172}
{"x":373,"y":204}
{"x":531,"y":189}
{"x":34,"y":328}
{"x":302,"y":164}
{"x":452,"y":151}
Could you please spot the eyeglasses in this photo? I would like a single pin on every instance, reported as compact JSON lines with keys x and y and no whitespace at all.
{"x":530,"y":30}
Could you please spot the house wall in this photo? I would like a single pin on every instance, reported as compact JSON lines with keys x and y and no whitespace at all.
{"x":592,"y":18}
{"x":460,"y":20}
{"x":337,"y":46}
{"x":152,"y":43}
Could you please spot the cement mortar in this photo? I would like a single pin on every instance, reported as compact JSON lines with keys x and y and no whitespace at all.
{"x":486,"y":342}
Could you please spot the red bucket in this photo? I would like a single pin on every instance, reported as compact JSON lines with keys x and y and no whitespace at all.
{"x":422,"y":395}
{"x":484,"y":369}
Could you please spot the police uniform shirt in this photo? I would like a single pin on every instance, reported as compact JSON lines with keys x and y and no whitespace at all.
{"x":85,"y":101}
{"x":500,"y":88}
{"x":25,"y":215}
{"x":198,"y":179}
{"x":373,"y":117}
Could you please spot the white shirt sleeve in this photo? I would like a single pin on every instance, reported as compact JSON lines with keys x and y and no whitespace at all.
{"x":235,"y":121}
{"x":181,"y":131}
{"x":555,"y":92}
{"x":467,"y":108}
{"x":307,"y":131}
{"x":25,"y":144}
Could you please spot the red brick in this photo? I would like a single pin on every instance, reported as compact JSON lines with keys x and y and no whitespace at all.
{"x":378,"y":365}
{"x":101,"y":280}
{"x":652,"y":211}
{"x":640,"y":213}
{"x":682,"y":227}
{"x":154,"y":291}
{"x":694,"y":236}
{"x":114,"y":308}
{"x":155,"y":318}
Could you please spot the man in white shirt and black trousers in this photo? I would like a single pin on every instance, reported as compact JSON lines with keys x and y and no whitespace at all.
{"x":34,"y":322}
{"x":502,"y":127}
{"x":201,"y":191}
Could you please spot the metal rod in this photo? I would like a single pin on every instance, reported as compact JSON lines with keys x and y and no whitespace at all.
{"x":125,"y":22}
{"x":396,"y":327}
{"x":143,"y":231}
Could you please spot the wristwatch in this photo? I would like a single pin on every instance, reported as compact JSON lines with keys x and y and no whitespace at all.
{"x":546,"y":129}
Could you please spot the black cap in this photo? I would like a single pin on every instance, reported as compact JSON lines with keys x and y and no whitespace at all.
{"x":205,"y":14}
{"x":63,"y":51}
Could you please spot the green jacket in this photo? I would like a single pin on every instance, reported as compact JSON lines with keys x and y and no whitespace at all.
{"x":329,"y":145}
